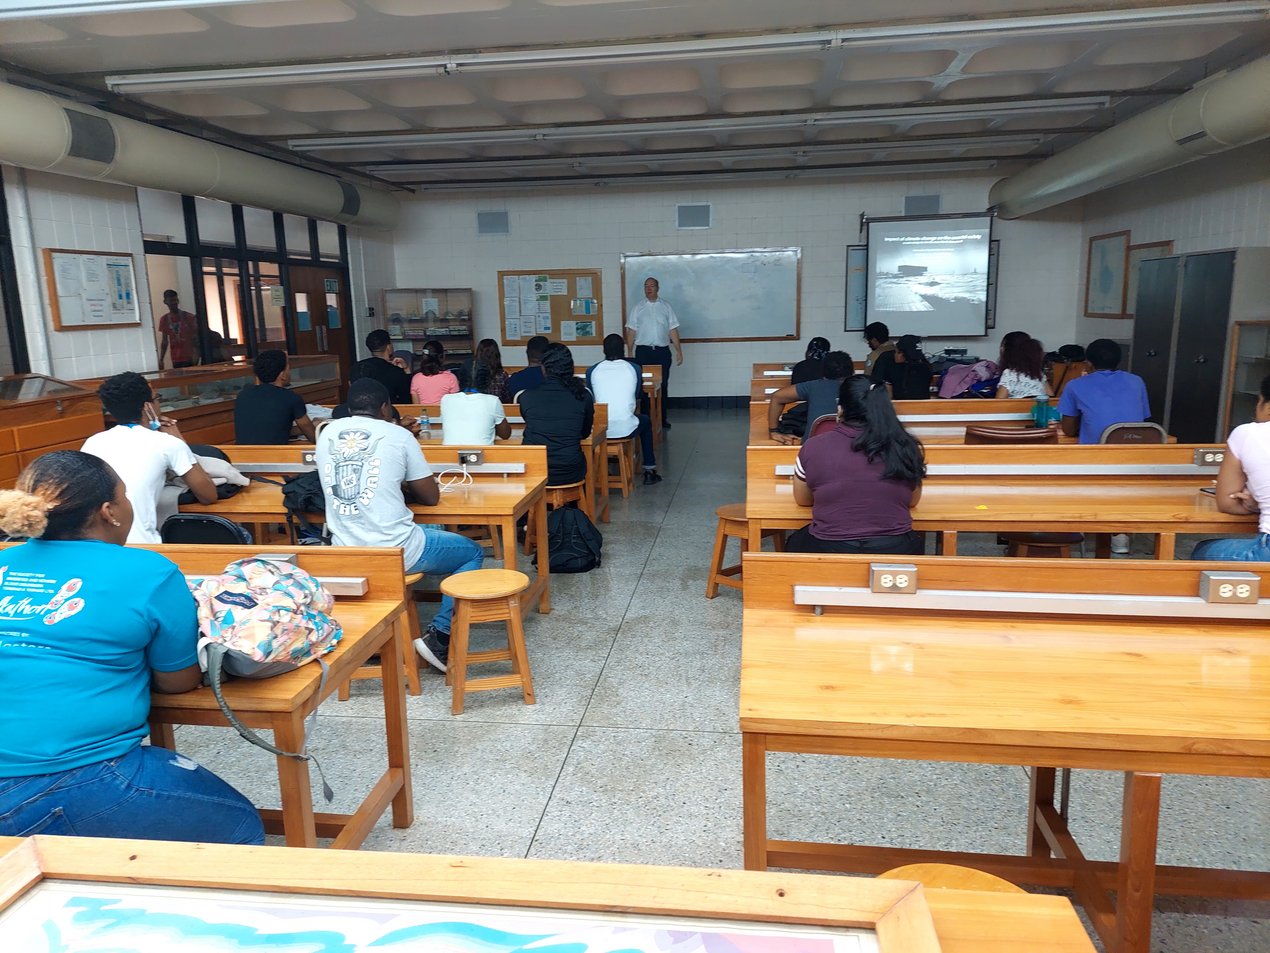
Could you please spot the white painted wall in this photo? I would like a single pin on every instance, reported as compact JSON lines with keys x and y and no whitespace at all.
{"x":372,"y":267}
{"x":1218,"y":202}
{"x":437,"y":246}
{"x":53,"y":211}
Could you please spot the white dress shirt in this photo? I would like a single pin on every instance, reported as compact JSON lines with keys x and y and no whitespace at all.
{"x":653,"y":321}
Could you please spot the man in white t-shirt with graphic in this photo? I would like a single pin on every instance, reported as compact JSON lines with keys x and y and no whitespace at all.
{"x":144,"y":448}
{"x":369,"y":467}
{"x":471,"y":417}
{"x":652,"y":330}
{"x":618,"y":382}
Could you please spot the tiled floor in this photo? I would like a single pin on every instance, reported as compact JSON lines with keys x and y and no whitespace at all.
{"x":633,"y":754}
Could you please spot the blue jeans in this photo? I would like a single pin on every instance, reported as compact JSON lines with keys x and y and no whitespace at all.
{"x":149,"y":793}
{"x":445,"y":554}
{"x":646,"y":442}
{"x":1239,"y":549}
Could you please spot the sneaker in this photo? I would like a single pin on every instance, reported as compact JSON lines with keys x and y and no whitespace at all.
{"x":1120,"y":544}
{"x":432,"y":648}
{"x":665,"y":425}
{"x":651,"y":477}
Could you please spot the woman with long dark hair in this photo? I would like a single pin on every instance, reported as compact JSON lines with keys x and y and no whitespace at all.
{"x":432,"y":382}
{"x":494,"y":379}
{"x":558,"y":414}
{"x":95,"y":627}
{"x":861,"y":479}
{"x":1022,"y":367}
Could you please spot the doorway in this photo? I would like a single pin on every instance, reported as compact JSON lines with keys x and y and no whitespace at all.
{"x":322,"y":314}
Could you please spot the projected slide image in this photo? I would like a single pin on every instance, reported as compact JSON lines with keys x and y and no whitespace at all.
{"x":934,"y":273}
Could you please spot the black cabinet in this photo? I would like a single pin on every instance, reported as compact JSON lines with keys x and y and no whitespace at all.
{"x":1179,"y":340}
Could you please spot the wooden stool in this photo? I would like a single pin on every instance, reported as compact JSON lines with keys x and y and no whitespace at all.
{"x":405,"y":640}
{"x":1041,"y":544}
{"x":623,"y":451}
{"x":951,"y":877}
{"x":486,"y":595}
{"x":732,"y":523}
{"x":558,"y":496}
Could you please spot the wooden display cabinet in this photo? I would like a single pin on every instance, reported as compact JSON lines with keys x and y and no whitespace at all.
{"x":1249,"y":366}
{"x":201,"y":399}
{"x":413,"y":315}
{"x":39,"y":414}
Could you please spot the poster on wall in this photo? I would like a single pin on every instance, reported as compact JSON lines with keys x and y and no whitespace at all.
{"x":90,"y":290}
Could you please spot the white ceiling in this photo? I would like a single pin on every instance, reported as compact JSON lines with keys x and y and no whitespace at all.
{"x":499,"y":93}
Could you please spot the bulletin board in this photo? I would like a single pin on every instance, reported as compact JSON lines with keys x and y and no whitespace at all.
{"x":89,"y":290}
{"x":563,"y":304}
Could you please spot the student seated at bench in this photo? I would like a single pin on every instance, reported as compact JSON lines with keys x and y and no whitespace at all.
{"x":821,"y":396}
{"x":619,"y":382}
{"x":558,"y":414}
{"x":1243,"y":486}
{"x":475,"y":416}
{"x":1092,"y":403}
{"x":861,"y":479}
{"x":265,"y":411}
{"x":368,"y":465}
{"x":92,"y":627}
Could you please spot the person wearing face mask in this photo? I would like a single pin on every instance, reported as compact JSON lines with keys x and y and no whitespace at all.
{"x":144,"y":448}
{"x":89,"y":627}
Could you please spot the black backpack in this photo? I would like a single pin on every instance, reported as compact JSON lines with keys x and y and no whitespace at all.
{"x":573,"y":542}
{"x":302,"y":494}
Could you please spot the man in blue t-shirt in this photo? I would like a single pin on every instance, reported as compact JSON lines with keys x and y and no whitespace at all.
{"x":529,"y":377}
{"x":1092,"y":403}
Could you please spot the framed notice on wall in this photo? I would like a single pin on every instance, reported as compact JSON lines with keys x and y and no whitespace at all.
{"x":563,"y":304}
{"x":90,"y":290}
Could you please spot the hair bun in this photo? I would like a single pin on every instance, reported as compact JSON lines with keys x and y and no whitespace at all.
{"x":23,"y":514}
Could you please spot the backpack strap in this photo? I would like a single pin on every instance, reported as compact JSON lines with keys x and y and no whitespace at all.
{"x":215,"y":659}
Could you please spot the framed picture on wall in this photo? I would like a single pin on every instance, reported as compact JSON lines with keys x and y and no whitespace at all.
{"x":1106,"y":274}
{"x":1137,"y":255}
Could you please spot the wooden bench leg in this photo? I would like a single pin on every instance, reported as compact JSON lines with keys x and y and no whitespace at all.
{"x":716,"y":561}
{"x":516,"y":645}
{"x":456,"y":664}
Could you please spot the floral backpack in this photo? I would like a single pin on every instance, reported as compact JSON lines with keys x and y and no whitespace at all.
{"x":261,"y":618}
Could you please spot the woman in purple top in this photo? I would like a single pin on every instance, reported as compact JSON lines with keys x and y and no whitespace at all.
{"x":861,"y":479}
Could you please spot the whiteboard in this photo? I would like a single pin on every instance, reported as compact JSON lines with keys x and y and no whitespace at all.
{"x":735,"y":295}
{"x":89,"y":290}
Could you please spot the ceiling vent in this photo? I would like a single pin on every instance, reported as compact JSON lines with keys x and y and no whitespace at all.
{"x":693,"y":216}
{"x":492,"y":223}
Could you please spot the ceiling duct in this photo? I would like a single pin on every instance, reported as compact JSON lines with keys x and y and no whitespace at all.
{"x":1224,"y":113}
{"x":40,"y":131}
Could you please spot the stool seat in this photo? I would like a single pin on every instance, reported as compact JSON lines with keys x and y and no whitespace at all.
{"x":733,"y":524}
{"x":485,"y":584}
{"x":951,"y":877}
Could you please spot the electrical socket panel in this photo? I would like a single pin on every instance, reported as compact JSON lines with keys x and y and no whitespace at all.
{"x":1231,"y":587}
{"x":471,"y":458}
{"x":892,"y":578}
{"x":1209,"y":456}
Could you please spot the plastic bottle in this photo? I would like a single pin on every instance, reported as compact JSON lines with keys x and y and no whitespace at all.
{"x":1041,"y":411}
{"x":425,"y":425}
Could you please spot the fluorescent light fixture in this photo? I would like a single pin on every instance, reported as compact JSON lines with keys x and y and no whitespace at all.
{"x":19,"y":9}
{"x":800,"y":152}
{"x":892,"y":35}
{"x":606,"y":130}
{"x":638,"y":180}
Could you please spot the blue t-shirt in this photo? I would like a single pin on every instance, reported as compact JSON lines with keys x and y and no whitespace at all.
{"x":1104,"y":398}
{"x":82,"y":624}
{"x":525,"y":379}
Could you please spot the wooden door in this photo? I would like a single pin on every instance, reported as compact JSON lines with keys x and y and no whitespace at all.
{"x":1195,"y":401}
{"x":1153,"y":327}
{"x":323,"y":322}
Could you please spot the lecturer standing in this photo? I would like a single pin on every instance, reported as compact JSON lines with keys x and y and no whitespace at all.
{"x":652,"y":330}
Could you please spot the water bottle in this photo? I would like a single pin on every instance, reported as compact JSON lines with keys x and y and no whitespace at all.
{"x":1041,"y":411}
{"x":425,"y":426}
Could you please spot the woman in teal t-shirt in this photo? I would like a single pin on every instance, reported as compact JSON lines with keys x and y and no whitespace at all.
{"x":88,"y":627}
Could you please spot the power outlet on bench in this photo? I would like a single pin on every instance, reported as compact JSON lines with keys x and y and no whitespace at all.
{"x":899,"y":577}
{"x":471,"y":458}
{"x":1237,"y":587}
{"x":308,"y":457}
{"x":1209,"y":456}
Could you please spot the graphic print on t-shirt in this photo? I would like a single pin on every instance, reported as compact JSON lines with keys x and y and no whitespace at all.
{"x":351,"y":476}
{"x":25,"y":596}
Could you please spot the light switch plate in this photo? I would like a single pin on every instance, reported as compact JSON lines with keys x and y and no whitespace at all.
{"x":892,"y":577}
{"x":1209,"y":456}
{"x":1239,"y":587}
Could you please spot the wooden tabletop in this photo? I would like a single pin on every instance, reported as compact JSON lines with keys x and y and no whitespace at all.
{"x":1021,"y":690}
